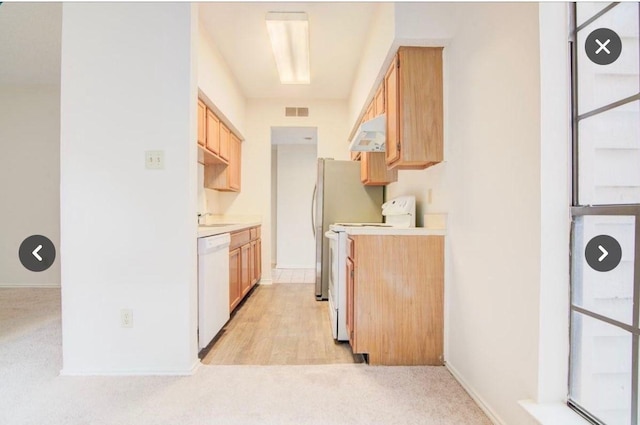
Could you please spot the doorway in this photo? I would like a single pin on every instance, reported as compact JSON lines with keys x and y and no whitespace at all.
{"x":294,"y":158}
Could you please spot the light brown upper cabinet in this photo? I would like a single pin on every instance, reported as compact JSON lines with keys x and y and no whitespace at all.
{"x":378,"y":101}
{"x":213,"y":133}
{"x":226,"y":177}
{"x":373,"y":167}
{"x":414,"y":105}
{"x":219,"y":150}
{"x":235,"y":163}
{"x":202,"y":126}
{"x":225,"y":134}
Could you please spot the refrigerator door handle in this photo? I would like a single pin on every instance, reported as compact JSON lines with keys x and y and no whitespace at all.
{"x":313,"y":209}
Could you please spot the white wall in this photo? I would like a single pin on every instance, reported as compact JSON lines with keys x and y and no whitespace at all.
{"x":377,"y":50}
{"x":297,"y":170}
{"x":490,"y":185}
{"x":128,"y":85}
{"x":222,"y":93}
{"x":274,"y":202}
{"x":218,"y":83}
{"x":329,"y":116}
{"x":29,"y":178}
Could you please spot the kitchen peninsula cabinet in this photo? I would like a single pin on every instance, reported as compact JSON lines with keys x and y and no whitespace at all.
{"x":414,"y":104}
{"x":245,"y":269}
{"x":395,"y":296}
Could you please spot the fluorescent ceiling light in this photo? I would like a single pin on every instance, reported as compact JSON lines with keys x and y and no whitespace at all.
{"x":289,"y":34}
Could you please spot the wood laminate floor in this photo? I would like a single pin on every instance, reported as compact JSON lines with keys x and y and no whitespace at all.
{"x":279,"y":324}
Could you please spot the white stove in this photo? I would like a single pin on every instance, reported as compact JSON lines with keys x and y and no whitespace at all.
{"x":400,"y":214}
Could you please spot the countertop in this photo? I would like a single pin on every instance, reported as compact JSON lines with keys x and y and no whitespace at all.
{"x":227,"y":224}
{"x":371,"y":230}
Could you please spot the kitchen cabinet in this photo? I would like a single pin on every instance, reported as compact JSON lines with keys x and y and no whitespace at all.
{"x":414,"y":108}
{"x":235,"y":294}
{"x":226,"y":177}
{"x":213,"y":133}
{"x":202,"y":113}
{"x":246,"y":264}
{"x":395,"y":291}
{"x":219,"y":150}
{"x":245,"y":269}
{"x":373,"y":166}
{"x":225,"y":135}
{"x":350,"y":304}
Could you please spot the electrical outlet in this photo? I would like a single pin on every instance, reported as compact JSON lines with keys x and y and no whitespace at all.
{"x":154,"y":160}
{"x":126,"y":318}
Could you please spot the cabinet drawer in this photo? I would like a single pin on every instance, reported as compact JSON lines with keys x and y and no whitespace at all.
{"x":239,"y":238}
{"x":351,"y":249}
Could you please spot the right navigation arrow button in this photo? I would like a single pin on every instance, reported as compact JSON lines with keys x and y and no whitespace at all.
{"x":603,"y":253}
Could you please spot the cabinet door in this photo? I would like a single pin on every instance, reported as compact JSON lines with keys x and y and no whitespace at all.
{"x":259,"y":259}
{"x":225,"y":136}
{"x":202,"y":112}
{"x":374,"y":171}
{"x":235,"y":163}
{"x":391,"y":102}
{"x":234,"y":278}
{"x":245,"y":274}
{"x":254,"y":262}
{"x":370,"y":111}
{"x":379,"y":100}
{"x":213,"y":132}
{"x":351,"y":303}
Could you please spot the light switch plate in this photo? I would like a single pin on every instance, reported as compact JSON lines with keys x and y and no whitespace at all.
{"x":154,"y":160}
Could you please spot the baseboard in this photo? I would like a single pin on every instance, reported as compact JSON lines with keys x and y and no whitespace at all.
{"x":493,"y":417}
{"x":194,"y":368}
{"x":31,"y":285}
{"x":266,"y":282}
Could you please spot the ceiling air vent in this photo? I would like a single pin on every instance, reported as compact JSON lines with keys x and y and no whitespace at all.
{"x":290,"y":111}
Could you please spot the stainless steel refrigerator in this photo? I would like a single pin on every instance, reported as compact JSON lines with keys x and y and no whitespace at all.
{"x":339,"y":197}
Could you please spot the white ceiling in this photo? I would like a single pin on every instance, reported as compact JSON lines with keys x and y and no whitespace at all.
{"x":294,"y":135}
{"x":30,"y":39}
{"x":338,"y":32}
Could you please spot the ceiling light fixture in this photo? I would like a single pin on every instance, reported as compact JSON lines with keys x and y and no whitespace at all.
{"x":289,"y":35}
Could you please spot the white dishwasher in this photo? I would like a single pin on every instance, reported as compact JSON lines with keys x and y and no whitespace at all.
{"x":213,"y":286}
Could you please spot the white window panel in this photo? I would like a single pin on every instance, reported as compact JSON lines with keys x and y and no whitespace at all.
{"x":609,"y":157}
{"x":601,"y":369}
{"x":600,"y":85}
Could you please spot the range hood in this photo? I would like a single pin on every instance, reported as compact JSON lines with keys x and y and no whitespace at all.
{"x":371,"y":136}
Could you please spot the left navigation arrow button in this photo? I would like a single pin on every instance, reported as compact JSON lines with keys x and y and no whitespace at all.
{"x":35,"y":253}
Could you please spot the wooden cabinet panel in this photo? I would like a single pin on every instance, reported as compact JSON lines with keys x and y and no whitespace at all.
{"x":395,"y":299}
{"x":374,"y":171}
{"x":245,"y":263}
{"x":225,"y":135}
{"x":378,"y":100}
{"x":226,"y":177}
{"x":235,"y":163}
{"x":416,"y":88}
{"x":202,"y":126}
{"x":213,"y":133}
{"x":245,"y":270}
{"x":391,"y":102}
{"x":234,"y":279}
{"x":350,"y":304}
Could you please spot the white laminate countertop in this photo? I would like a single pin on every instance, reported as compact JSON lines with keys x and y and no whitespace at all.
{"x":415,"y":231}
{"x":220,"y":228}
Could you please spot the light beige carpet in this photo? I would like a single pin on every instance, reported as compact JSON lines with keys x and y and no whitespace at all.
{"x":31,"y":392}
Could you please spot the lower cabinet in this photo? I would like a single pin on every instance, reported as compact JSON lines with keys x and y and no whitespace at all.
{"x":245,"y":268}
{"x":395,"y":297}
{"x":234,"y":278}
